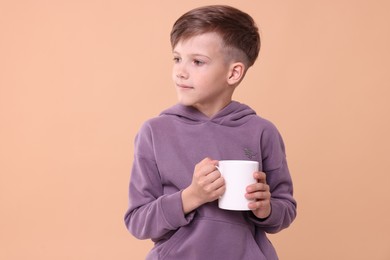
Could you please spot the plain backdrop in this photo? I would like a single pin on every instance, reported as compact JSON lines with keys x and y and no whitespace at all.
{"x":78,"y":78}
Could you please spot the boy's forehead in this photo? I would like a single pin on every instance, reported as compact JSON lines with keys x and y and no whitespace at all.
{"x":210,"y":40}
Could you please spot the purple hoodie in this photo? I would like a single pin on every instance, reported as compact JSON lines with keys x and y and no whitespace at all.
{"x":168,"y":147}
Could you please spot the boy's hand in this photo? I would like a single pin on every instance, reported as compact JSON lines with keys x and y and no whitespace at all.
{"x":260,"y":193}
{"x":207,"y":185}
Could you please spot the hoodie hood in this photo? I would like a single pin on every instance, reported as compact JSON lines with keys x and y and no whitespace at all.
{"x":234,"y":114}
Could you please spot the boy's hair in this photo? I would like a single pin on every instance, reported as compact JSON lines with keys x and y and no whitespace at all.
{"x":236,"y":28}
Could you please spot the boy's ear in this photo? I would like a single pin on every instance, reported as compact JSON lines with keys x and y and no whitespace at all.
{"x":236,"y":73}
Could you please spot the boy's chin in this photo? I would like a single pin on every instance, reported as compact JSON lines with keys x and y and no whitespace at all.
{"x":185,"y":103}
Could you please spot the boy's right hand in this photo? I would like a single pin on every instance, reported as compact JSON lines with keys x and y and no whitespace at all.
{"x":207,"y":185}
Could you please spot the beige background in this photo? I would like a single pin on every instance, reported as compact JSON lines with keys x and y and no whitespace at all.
{"x":77,"y":78}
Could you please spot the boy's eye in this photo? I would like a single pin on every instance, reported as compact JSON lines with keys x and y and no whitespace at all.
{"x":198,"y":62}
{"x":176,"y":59}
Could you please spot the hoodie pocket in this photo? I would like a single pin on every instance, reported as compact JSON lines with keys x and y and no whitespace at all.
{"x":206,"y":238}
{"x":173,"y":242}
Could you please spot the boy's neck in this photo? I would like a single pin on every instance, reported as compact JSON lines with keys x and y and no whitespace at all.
{"x":211,"y":111}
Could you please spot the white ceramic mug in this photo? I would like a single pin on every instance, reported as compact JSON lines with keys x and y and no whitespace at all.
{"x":238,"y":174}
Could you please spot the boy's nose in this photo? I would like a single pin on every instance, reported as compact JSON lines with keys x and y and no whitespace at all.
{"x":181,"y":73}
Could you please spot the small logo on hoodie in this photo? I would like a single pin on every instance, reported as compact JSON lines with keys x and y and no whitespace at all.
{"x":249,"y":153}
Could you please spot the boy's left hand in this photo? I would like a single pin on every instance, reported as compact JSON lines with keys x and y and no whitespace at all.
{"x":260,"y":193}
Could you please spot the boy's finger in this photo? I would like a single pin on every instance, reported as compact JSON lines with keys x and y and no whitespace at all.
{"x":207,"y":166}
{"x":260,"y":176}
{"x":206,"y":162}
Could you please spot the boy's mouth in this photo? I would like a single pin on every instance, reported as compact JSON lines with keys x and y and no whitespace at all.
{"x":182,"y":86}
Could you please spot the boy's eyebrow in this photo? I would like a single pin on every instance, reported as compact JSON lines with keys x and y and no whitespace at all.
{"x":193,"y":54}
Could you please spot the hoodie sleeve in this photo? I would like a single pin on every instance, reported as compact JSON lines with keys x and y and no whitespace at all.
{"x":283,"y":205}
{"x":151,"y":213}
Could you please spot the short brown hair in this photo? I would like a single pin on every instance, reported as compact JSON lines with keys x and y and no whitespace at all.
{"x":237,"y":29}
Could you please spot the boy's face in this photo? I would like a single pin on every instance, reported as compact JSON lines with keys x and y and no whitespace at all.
{"x":200,"y":72}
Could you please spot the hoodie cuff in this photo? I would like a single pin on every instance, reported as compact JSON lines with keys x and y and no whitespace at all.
{"x":273,"y":221}
{"x":172,"y":209}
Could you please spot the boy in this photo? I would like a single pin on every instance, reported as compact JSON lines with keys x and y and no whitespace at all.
{"x":174,"y":184}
